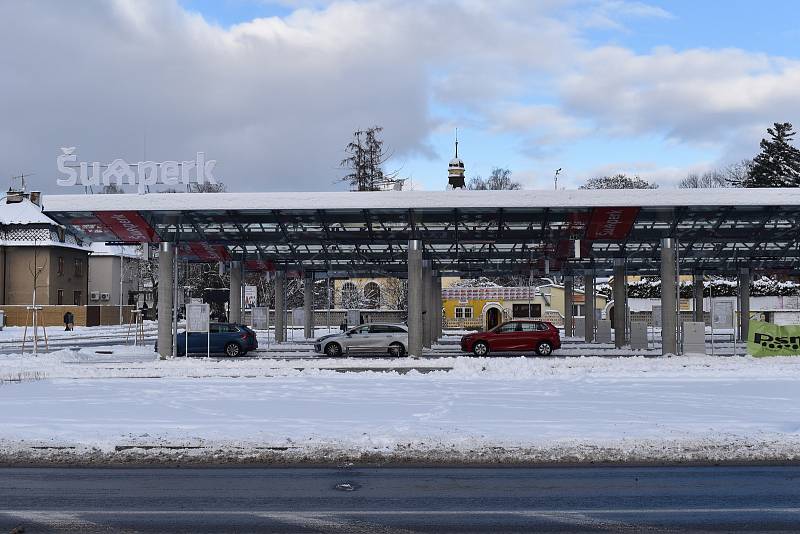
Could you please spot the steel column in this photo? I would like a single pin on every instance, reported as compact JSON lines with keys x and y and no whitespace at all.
{"x":588,"y":306}
{"x":669,"y":301}
{"x":427,"y":291}
{"x":568,"y":301}
{"x":308,"y":306}
{"x":620,"y":305}
{"x":744,"y":303}
{"x":166,"y":281}
{"x":415,"y":298}
{"x":235,"y":299}
{"x":697,"y":297}
{"x":280,"y":306}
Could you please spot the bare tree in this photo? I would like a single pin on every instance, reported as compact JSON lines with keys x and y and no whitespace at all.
{"x":730,"y":176}
{"x":618,"y":181}
{"x":707,"y":179}
{"x":207,"y":187}
{"x":498,"y":180}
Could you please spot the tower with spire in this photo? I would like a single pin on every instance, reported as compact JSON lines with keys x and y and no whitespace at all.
{"x":455,"y":170}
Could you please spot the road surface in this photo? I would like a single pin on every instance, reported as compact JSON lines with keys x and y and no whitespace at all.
{"x":401,"y":500}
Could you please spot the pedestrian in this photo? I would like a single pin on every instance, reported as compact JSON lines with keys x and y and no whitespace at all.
{"x":69,"y":321}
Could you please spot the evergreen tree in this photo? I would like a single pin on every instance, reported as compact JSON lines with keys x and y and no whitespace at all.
{"x":365,"y":159}
{"x":778,"y":164}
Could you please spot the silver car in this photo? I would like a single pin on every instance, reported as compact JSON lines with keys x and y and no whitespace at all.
{"x":374,"y":338}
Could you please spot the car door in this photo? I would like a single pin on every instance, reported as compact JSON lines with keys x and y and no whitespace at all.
{"x":503,"y":337}
{"x":380,"y":336}
{"x":358,"y":340}
{"x":217,"y":341}
{"x":532,"y":334}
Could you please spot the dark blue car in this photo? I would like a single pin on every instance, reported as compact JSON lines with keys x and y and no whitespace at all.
{"x":225,"y":338}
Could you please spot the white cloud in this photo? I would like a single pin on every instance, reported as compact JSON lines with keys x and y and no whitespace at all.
{"x":692,"y":96}
{"x":274,"y":100}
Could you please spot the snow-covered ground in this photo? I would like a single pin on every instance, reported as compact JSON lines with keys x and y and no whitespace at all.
{"x":123,"y":405}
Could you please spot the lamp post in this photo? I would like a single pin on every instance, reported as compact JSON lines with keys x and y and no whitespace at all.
{"x":555,"y":179}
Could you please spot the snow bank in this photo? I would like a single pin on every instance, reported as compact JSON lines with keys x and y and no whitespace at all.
{"x":484,"y":410}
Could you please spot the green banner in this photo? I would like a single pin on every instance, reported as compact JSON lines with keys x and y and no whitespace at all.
{"x":767,"y":339}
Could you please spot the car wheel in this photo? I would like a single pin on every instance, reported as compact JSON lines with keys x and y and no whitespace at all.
{"x":480,"y":348}
{"x":233,"y":349}
{"x":544,"y":349}
{"x":397,"y":350}
{"x":333,"y":350}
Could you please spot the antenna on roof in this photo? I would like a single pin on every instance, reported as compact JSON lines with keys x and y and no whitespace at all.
{"x":21,"y":180}
{"x":456,"y":142}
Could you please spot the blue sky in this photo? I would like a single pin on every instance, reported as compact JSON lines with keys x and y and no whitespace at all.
{"x":274,"y":90}
{"x":760,"y":27}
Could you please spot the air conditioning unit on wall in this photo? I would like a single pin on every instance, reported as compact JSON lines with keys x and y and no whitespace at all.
{"x":95,"y":295}
{"x":104,"y":296}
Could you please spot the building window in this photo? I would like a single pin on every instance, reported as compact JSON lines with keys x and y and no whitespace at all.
{"x":372,"y":294}
{"x":527,"y":310}
{"x":463,"y":312}
{"x":78,"y":267}
{"x":351,"y":299}
{"x":60,"y":265}
{"x":77,"y":298}
{"x":60,"y":296}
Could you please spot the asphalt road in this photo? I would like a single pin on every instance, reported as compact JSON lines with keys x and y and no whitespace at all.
{"x":401,"y":500}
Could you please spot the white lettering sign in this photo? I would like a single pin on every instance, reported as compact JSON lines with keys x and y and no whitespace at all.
{"x":141,"y":174}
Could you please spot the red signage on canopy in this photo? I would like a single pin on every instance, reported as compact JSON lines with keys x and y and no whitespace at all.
{"x":128,"y":226}
{"x":259,"y":265}
{"x":206,"y":252}
{"x":611,"y":223}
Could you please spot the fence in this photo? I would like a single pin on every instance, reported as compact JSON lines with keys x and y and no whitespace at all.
{"x":18,"y":315}
{"x":339,"y":316}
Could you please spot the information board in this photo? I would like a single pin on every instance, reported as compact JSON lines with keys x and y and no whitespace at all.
{"x":197,"y":317}
{"x":260,"y":318}
{"x":250,"y":296}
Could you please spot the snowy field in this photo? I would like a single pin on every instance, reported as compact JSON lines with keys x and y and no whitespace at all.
{"x":128,"y":406}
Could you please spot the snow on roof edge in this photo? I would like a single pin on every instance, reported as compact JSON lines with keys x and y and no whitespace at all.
{"x":347,"y":200}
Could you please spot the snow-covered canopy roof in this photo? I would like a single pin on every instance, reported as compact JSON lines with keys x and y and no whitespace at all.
{"x":104,"y":249}
{"x":405,"y":200}
{"x":468,"y":233}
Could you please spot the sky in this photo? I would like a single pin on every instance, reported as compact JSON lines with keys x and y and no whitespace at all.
{"x":273,"y":90}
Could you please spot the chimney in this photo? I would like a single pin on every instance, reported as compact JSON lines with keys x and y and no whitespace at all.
{"x":36,"y":197}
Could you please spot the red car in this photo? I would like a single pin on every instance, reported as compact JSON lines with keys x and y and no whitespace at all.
{"x":528,"y":336}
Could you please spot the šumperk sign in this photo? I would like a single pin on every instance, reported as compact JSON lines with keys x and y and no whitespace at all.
{"x":142,"y":174}
{"x":767,"y":339}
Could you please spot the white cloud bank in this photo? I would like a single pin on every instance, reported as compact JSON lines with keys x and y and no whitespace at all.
{"x":274,"y":100}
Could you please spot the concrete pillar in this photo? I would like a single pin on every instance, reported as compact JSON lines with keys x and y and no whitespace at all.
{"x":569,"y":298}
{"x":619,"y":303}
{"x":669,"y":299}
{"x":235,"y":299}
{"x":588,"y":305}
{"x":697,"y":296}
{"x":280,"y":309}
{"x":415,"y":298}
{"x":308,"y":306}
{"x":438,"y":307}
{"x":744,"y":303}
{"x":166,"y":282}
{"x":427,"y":290}
{"x":435,"y":308}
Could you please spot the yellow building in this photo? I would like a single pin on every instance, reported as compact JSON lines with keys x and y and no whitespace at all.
{"x":485,"y":307}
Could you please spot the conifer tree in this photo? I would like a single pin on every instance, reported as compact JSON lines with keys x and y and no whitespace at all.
{"x":778,"y":164}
